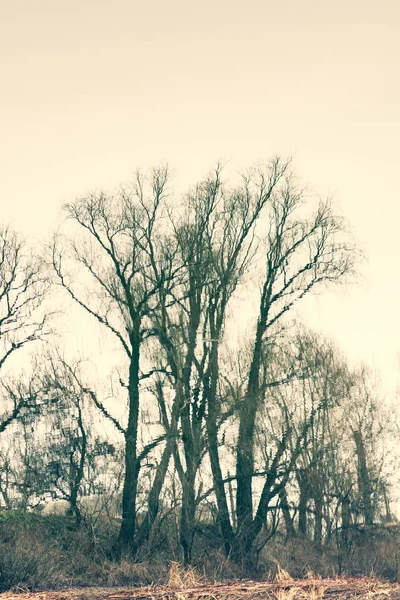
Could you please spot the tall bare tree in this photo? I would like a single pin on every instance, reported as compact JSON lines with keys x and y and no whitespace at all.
{"x":118,"y":240}
{"x":161,"y":279}
{"x":302,"y":253}
{"x":215,"y":241}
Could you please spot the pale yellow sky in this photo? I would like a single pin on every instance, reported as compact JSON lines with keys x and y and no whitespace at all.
{"x":92,"y":89}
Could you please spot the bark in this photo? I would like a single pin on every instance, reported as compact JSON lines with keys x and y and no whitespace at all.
{"x":153,"y":501}
{"x":304,"y":488}
{"x":188,"y":517}
{"x":287,"y":517}
{"x":190,"y":427}
{"x":318,"y":505}
{"x":346,"y":522}
{"x":388,"y":513}
{"x":275,"y":481}
{"x":77,"y":480}
{"x":127,"y":531}
{"x":231,"y":502}
{"x":245,"y":444}
{"x":212,"y":436}
{"x":364,"y":482}
{"x":188,"y":478}
{"x":245,"y":537}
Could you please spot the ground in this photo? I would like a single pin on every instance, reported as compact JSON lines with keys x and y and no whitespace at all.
{"x":305,"y":589}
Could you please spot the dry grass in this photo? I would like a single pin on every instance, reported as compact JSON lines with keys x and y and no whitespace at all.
{"x":179,"y":577}
{"x":282,"y":575}
{"x":306,"y":589}
{"x":39,"y":553}
{"x":289,"y":594}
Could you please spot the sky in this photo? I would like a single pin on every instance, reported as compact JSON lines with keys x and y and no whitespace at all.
{"x":91,"y":90}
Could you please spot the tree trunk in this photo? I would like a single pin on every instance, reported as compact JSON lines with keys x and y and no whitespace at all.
{"x":187,"y":518}
{"x":231,"y":502}
{"x":318,"y":505}
{"x":245,"y":444}
{"x":388,"y":513}
{"x":188,"y":478}
{"x":222,"y":504}
{"x":364,"y":482}
{"x":212,"y":436}
{"x":287,"y":517}
{"x":346,"y":522}
{"x":245,"y":537}
{"x":153,"y":500}
{"x":127,"y":531}
{"x":77,"y":480}
{"x":302,"y":479}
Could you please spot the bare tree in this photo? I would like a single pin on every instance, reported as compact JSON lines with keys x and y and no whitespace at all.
{"x":215,"y":242}
{"x":326,"y":386}
{"x":119,"y":240}
{"x":302,"y":253}
{"x":68,"y":430}
{"x":163,"y":278}
{"x":367,"y":425}
{"x":23,"y":318}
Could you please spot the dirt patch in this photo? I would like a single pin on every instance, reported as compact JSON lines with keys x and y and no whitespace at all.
{"x":305,"y":589}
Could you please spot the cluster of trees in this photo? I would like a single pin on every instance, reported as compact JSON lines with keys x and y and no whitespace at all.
{"x":279,"y":428}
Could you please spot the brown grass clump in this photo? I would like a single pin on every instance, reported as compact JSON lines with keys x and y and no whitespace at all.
{"x":180,"y":577}
{"x":316,"y":593}
{"x":282,"y":575}
{"x":174,"y":577}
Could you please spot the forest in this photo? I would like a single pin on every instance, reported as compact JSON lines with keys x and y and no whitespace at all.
{"x":162,"y":402}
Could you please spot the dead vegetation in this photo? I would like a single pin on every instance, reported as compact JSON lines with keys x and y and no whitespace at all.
{"x":312,"y":588}
{"x":48,"y":553}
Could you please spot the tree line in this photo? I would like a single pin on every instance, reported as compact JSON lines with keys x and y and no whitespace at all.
{"x":275,"y":431}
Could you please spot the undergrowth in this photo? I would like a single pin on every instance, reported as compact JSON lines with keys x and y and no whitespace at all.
{"x":43,"y":552}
